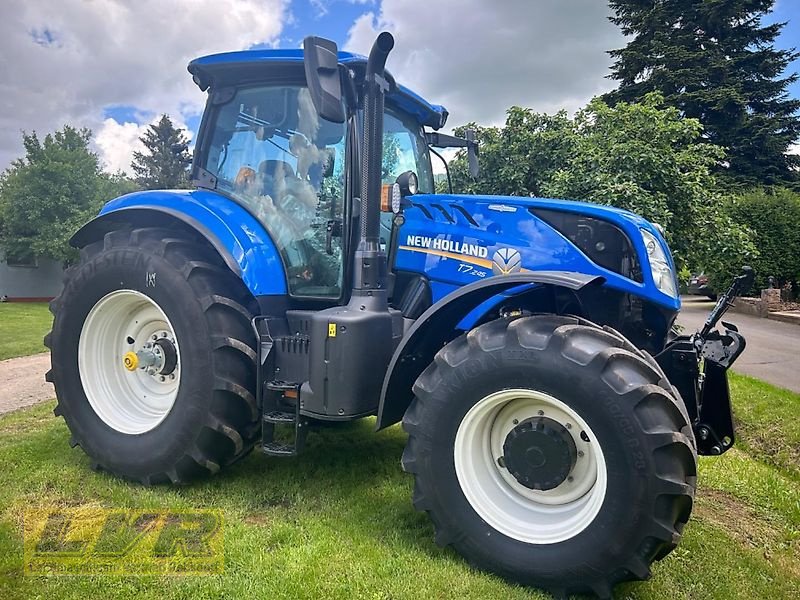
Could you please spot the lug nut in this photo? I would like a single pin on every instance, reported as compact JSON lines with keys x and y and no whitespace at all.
{"x":162,"y":378}
{"x":580,"y":453}
{"x":568,"y":425}
{"x":502,"y":462}
{"x":540,"y":413}
{"x":515,"y":421}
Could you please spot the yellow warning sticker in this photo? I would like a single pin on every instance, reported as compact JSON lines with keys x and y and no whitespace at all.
{"x":331,"y":329}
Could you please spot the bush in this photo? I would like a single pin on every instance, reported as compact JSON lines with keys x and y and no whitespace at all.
{"x":773,"y":216}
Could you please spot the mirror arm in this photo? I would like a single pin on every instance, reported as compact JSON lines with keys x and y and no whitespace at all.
{"x":446,"y":168}
{"x":442,"y":140}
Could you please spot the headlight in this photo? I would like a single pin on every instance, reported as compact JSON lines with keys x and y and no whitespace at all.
{"x":409,"y":184}
{"x":659,"y":265}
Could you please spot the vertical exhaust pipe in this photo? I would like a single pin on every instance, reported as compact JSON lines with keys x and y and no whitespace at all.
{"x":370,"y":260}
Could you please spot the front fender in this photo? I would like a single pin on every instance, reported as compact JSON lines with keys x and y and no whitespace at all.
{"x":235,"y":234}
{"x":437,"y":326}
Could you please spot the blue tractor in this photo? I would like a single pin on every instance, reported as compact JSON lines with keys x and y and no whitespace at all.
{"x":313,"y":275}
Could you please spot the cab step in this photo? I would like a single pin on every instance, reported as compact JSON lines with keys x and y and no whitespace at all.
{"x":278,"y":449}
{"x":283,"y":429}
{"x":279,"y":417}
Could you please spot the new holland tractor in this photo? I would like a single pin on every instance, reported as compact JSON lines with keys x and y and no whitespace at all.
{"x":554,"y":415}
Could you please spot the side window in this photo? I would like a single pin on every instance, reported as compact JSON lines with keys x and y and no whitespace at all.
{"x":272,"y":153}
{"x":404,"y":149}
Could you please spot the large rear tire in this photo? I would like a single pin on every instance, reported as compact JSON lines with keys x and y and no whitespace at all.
{"x":551,"y":452}
{"x":153,"y":357}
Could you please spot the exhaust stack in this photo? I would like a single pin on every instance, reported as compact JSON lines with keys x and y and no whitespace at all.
{"x":370,"y":260}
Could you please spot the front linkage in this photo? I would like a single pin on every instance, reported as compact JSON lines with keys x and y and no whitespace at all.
{"x":696,"y":365}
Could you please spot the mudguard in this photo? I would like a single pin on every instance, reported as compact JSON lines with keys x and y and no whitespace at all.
{"x":439,"y":324}
{"x":235,"y":234}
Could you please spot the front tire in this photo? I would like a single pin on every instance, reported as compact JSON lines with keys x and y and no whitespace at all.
{"x":602,"y":487}
{"x":153,"y":357}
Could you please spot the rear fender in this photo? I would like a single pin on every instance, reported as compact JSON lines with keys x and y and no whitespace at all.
{"x":239,"y":239}
{"x":457,"y":311}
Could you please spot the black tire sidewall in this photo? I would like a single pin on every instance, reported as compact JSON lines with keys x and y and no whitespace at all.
{"x":131,"y":269}
{"x":626,"y":507}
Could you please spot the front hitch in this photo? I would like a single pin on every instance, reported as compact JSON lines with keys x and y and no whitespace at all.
{"x":697,"y":366}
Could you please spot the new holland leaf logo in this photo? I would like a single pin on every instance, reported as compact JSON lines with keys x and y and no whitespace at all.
{"x":505,"y":261}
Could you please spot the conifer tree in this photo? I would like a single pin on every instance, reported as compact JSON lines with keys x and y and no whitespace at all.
{"x":717,"y":62}
{"x":160,"y":167}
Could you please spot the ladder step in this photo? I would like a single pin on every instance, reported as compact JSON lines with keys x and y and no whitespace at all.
{"x":278,"y":449}
{"x":279,"y":417}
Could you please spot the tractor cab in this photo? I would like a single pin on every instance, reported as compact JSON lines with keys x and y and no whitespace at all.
{"x":264,"y":144}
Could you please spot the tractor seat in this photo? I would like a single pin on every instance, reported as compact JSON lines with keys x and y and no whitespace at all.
{"x":275,"y":168}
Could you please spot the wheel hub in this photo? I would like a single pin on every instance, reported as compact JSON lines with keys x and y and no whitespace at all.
{"x":129,"y":361}
{"x":540,"y":453}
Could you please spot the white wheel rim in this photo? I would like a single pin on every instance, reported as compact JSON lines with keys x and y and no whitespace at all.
{"x":131,"y":402}
{"x":530,"y":516}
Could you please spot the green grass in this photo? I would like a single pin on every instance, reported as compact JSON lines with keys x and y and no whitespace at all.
{"x":338,"y":523}
{"x":22,"y":327}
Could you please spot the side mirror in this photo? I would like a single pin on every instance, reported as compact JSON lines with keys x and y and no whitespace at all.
{"x":321,"y":61}
{"x":442,"y":140}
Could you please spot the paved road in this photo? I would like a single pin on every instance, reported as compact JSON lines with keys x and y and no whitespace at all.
{"x":773,"y":347}
{"x":22,"y":382}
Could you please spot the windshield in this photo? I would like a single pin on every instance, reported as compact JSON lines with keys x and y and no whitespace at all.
{"x":271,"y":152}
{"x":404,"y":149}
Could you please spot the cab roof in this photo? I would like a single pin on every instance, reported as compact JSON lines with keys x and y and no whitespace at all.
{"x":207,"y":70}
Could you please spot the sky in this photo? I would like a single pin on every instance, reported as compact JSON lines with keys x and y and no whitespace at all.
{"x":115,"y":66}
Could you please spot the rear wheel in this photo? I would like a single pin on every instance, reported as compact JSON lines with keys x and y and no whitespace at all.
{"x":552,"y":452}
{"x":153,"y":357}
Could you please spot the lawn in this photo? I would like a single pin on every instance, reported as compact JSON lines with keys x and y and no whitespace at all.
{"x":22,"y":327}
{"x":337,"y":522}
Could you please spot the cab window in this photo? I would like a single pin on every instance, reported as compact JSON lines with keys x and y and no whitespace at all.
{"x":404,"y":149}
{"x":271,"y":152}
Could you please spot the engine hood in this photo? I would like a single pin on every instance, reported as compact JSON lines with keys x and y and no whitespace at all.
{"x":455,"y":239}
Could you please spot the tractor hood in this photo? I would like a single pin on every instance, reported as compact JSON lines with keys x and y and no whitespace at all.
{"x":455,"y":239}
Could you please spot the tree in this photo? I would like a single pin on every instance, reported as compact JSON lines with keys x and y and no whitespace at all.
{"x":716,"y":62}
{"x":773,"y":215}
{"x":519,"y":158}
{"x":641,"y":157}
{"x":650,"y":160}
{"x":160,"y":167}
{"x":51,"y":192}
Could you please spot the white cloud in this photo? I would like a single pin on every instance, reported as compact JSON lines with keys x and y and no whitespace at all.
{"x":478,"y":58}
{"x":117,"y":142}
{"x":65,"y":63}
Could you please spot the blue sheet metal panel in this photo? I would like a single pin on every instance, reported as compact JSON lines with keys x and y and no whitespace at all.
{"x":235,"y":228}
{"x":460,"y":252}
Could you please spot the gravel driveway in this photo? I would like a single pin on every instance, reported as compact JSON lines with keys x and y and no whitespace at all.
{"x":22,"y":382}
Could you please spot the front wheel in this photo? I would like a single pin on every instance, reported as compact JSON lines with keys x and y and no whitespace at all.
{"x":552,"y":452}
